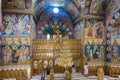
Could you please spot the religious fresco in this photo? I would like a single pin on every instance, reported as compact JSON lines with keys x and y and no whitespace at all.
{"x":48,"y":24}
{"x":79,"y":30}
{"x":113,"y":6}
{"x":95,"y":6}
{"x":95,"y":52}
{"x":28,"y":4}
{"x":0,"y":15}
{"x":50,"y":27}
{"x":33,"y":4}
{"x":80,"y":3}
{"x":113,"y":32}
{"x":94,"y":40}
{"x":0,"y":29}
{"x":33,"y":29}
{"x":76,"y":8}
{"x":94,"y":29}
{"x":87,"y":6}
{"x":95,"y":49}
{"x":98,"y":6}
{"x":115,"y":25}
{"x":16,"y":25}
{"x":115,"y":50}
{"x":15,"y":51}
{"x":17,"y":4}
{"x":15,"y":41}
{"x":0,"y":55}
{"x":71,"y":9}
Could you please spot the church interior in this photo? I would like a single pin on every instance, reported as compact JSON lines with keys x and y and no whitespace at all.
{"x":61,"y":35}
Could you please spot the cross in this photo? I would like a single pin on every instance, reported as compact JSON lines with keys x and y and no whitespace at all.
{"x":57,"y":32}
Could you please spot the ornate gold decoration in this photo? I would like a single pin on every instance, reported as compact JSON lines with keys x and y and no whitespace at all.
{"x":93,"y":17}
{"x":45,"y":64}
{"x":7,"y":47}
{"x":65,"y":59}
{"x":51,"y":49}
{"x":14,"y":47}
{"x":50,"y":63}
{"x":23,"y":47}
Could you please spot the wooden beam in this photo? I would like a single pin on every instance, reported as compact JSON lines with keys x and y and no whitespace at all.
{"x":77,"y":20}
{"x":90,"y":16}
{"x":93,"y":17}
{"x":20,"y":11}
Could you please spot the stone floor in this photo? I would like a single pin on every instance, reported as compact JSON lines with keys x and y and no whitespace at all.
{"x":75,"y":76}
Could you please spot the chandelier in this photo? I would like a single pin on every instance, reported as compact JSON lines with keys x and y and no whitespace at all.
{"x":65,"y":59}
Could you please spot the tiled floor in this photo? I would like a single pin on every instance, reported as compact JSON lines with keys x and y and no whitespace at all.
{"x":75,"y":76}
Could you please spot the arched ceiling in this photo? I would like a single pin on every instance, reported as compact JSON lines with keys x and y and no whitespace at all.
{"x":75,"y":8}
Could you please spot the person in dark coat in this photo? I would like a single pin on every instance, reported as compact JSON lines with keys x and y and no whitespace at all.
{"x":48,"y":71}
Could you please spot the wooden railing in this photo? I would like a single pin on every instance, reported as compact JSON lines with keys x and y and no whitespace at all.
{"x":109,"y":69}
{"x":18,"y":72}
{"x":113,"y":71}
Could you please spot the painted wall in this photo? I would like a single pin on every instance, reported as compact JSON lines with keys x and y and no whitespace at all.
{"x":79,"y":28}
{"x":15,"y":51}
{"x":94,"y":40}
{"x":15,"y":25}
{"x":15,"y":39}
{"x":97,"y":7}
{"x":28,"y":4}
{"x":33,"y":29}
{"x":17,"y":4}
{"x":33,"y":4}
{"x":87,"y":6}
{"x":113,"y":32}
{"x":49,"y":21}
{"x":0,"y":31}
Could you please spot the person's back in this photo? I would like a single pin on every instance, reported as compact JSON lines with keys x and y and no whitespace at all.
{"x":86,"y":69}
{"x":42,"y":75}
{"x":48,"y":71}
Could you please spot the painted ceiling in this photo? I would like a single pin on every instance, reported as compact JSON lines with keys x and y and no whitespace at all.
{"x":75,"y":8}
